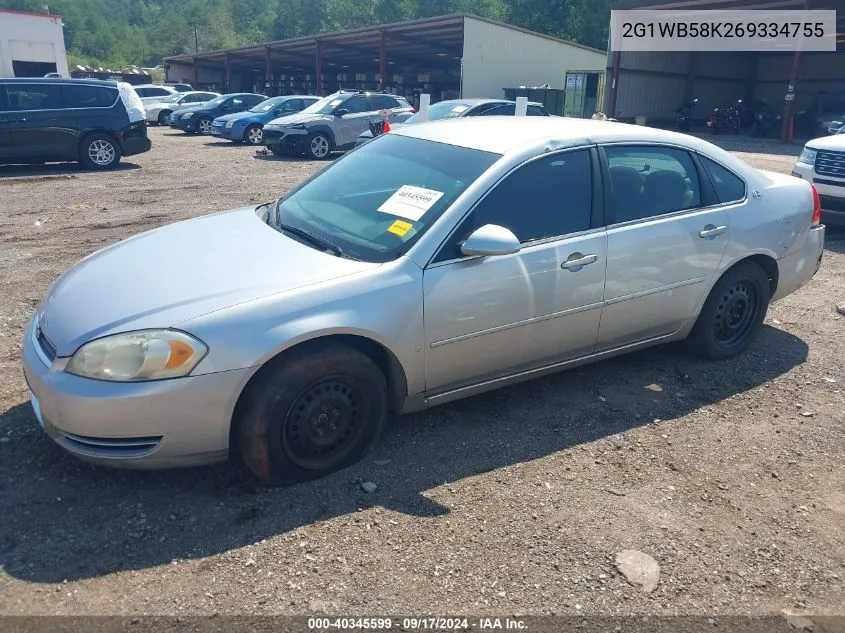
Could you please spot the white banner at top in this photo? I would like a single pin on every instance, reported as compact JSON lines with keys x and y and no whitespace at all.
{"x":769,"y":30}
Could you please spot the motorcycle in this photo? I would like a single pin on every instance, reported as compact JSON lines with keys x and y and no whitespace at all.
{"x":725,"y":119}
{"x":683,"y":119}
{"x":767,"y":120}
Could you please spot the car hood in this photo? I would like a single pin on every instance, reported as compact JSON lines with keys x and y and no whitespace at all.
{"x":178,"y":272}
{"x":299,"y":117}
{"x":836,"y":142}
{"x":236,"y":116}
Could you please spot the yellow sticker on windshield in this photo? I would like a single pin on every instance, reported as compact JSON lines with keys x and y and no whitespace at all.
{"x":399,"y":228}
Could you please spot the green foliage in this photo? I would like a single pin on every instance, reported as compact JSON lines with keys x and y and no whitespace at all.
{"x":142,"y":32}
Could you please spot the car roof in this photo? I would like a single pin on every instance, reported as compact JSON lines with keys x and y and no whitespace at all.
{"x":474,"y":101}
{"x":502,"y":134}
{"x":165,"y":86}
{"x":243,"y":94}
{"x":52,"y":80}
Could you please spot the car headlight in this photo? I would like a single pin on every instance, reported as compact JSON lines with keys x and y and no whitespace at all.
{"x":187,"y":115}
{"x":230,"y":123}
{"x":141,"y":355}
{"x":808,"y":156}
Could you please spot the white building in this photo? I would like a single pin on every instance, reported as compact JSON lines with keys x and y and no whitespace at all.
{"x":31,"y":44}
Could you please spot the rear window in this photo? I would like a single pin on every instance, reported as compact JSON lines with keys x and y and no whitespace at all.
{"x":729,"y":186}
{"x":34,"y":96}
{"x":88,"y":96}
{"x":382,"y":102}
{"x":152,"y":92}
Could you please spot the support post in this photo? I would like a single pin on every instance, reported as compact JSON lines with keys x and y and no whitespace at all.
{"x":382,"y":62}
{"x":195,"y":84}
{"x":614,"y":84}
{"x":786,"y":130}
{"x":228,"y":81}
{"x":318,"y":81}
{"x":268,"y":74}
{"x":689,"y":88}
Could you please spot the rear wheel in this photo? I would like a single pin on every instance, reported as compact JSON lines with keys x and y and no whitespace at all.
{"x":99,"y":151}
{"x":319,"y":146}
{"x":204,"y":125}
{"x":733,"y":313}
{"x":254,"y":135}
{"x":318,"y":410}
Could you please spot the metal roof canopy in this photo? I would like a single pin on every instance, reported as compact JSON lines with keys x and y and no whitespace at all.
{"x":438,"y":40}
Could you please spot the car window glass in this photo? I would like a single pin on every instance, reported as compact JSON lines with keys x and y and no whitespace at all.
{"x":536,"y":111}
{"x":651,"y":181}
{"x":291,"y":105}
{"x":158,"y":92}
{"x":142,"y":92}
{"x":355,"y":105}
{"x":548,"y":197}
{"x":77,"y":96}
{"x":34,"y":96}
{"x":729,"y":186}
{"x":382,"y":102}
{"x":235,"y":103}
{"x":503,"y":109}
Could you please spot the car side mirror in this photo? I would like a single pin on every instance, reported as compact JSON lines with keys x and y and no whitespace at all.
{"x":490,"y":240}
{"x":341,"y":112}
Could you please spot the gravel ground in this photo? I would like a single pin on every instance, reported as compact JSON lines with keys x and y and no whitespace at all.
{"x":730,"y":475}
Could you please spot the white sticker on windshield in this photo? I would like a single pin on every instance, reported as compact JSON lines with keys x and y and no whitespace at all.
{"x":410,"y":202}
{"x":460,"y":108}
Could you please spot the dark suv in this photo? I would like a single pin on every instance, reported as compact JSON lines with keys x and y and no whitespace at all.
{"x":198,"y":118}
{"x":46,"y":120}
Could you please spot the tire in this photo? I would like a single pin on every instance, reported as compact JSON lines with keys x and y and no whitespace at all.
{"x":164,"y":117}
{"x":204,"y":126}
{"x":317,"y":410}
{"x":733,"y":313}
{"x":253,"y":135}
{"x":99,"y":151}
{"x":319,"y":146}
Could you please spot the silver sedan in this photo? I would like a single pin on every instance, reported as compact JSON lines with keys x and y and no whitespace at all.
{"x":436,"y":262}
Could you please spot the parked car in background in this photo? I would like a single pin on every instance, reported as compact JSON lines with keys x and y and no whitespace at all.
{"x":824,"y":112}
{"x":333,"y":123}
{"x":822,"y":162}
{"x":198,"y":118}
{"x":246,"y":127}
{"x":160,"y":112}
{"x":456,"y":108}
{"x":182,"y":87}
{"x":86,"y":120}
{"x":440,"y":261}
{"x":153,"y":93}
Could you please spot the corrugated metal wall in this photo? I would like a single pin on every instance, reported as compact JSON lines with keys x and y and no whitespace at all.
{"x":496,"y":57}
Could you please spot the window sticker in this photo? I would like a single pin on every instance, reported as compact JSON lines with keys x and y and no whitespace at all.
{"x":410,"y":202}
{"x":399,"y":228}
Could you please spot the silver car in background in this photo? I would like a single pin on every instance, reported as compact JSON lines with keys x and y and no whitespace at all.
{"x":160,"y":111}
{"x":436,"y":262}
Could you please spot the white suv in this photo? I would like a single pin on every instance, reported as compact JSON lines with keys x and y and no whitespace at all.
{"x":822,"y":162}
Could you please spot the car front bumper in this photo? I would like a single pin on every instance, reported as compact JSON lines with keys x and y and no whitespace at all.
{"x":831,"y":192}
{"x":186,"y":125}
{"x":230,"y":133}
{"x":290,"y":138}
{"x":157,"y":424}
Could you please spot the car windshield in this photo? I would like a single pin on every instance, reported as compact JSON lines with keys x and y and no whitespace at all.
{"x":442,"y":110}
{"x":325,"y":105}
{"x":217,"y":101}
{"x":266,"y":106}
{"x":375,"y":202}
{"x":173,"y":98}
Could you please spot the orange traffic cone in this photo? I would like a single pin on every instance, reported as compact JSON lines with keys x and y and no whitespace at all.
{"x":386,"y":126}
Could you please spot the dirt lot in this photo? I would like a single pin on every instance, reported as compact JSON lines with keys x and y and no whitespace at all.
{"x":730,"y":475}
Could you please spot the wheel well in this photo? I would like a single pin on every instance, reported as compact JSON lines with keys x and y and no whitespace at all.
{"x":769,"y":266}
{"x":324,"y":130}
{"x":384,"y":359}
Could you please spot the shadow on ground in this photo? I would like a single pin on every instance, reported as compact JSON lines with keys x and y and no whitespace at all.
{"x":57,"y":170}
{"x":63,"y":519}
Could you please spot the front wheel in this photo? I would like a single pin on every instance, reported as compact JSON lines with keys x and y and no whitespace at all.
{"x":733,"y":313}
{"x":164,"y":118}
{"x":319,"y":146}
{"x":253,"y":135}
{"x":99,"y":151}
{"x":317,"y":410}
{"x":204,"y":126}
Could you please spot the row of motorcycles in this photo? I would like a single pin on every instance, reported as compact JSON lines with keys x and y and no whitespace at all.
{"x":761,"y":118}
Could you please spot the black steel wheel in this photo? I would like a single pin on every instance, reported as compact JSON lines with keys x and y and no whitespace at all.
{"x":733,"y":313}
{"x":310,"y":412}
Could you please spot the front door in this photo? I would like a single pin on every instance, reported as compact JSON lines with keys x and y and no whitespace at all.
{"x":351,"y":124}
{"x":5,"y":142}
{"x":491,"y":316}
{"x":665,"y":240}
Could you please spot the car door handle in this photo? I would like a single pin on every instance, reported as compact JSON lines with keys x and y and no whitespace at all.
{"x":577,"y":260}
{"x":18,"y":120}
{"x":712,"y":231}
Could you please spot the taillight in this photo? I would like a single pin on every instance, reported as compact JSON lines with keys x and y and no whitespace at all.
{"x":817,"y":207}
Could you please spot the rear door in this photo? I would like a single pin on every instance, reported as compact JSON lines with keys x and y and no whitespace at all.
{"x":5,"y":142}
{"x":666,"y":236}
{"x":39,"y":127}
{"x":350,"y":125}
